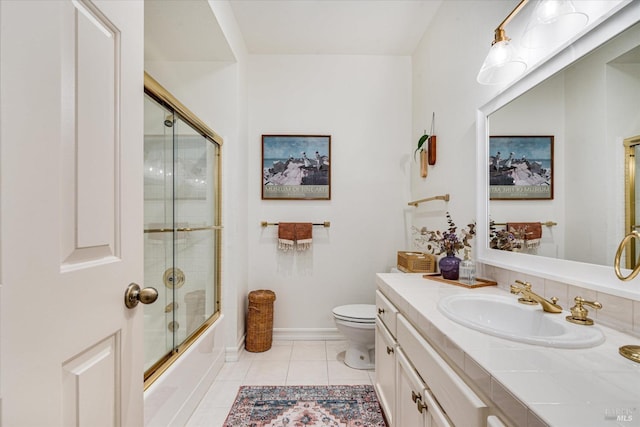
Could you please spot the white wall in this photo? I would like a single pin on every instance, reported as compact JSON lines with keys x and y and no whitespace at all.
{"x":234,"y":213}
{"x":364,"y":103}
{"x":445,"y":65}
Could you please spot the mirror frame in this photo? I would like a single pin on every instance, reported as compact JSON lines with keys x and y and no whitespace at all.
{"x":590,"y":276}
{"x":630,"y":145}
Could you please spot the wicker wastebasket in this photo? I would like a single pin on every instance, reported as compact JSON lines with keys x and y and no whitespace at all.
{"x":260,"y":321}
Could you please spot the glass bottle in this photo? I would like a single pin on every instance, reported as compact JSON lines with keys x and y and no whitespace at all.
{"x":467,"y":269}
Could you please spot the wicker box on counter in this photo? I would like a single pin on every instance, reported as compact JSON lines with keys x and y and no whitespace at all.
{"x":416,"y":262}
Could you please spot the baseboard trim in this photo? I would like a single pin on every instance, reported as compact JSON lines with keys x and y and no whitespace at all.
{"x":307,"y":334}
{"x":232,"y":354}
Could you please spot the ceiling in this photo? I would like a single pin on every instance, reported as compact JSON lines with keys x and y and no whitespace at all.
{"x":183,"y":30}
{"x":187,"y":30}
{"x":368,"y":27}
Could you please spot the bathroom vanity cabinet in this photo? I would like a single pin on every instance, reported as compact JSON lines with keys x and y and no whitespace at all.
{"x":432,"y":371}
{"x":386,"y":347}
{"x":415,"y":385}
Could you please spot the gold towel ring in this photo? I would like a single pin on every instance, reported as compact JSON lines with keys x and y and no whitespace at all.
{"x":616,"y":262}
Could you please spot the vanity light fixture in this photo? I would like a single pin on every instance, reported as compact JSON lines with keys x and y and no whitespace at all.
{"x":502,"y":64}
{"x":552,"y":23}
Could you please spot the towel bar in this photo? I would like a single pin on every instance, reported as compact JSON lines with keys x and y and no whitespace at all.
{"x":325,"y":224}
{"x":546,"y":223}
{"x":417,"y":202}
{"x":184,"y":229}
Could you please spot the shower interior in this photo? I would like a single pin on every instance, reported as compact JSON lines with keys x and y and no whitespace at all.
{"x":182,"y":230}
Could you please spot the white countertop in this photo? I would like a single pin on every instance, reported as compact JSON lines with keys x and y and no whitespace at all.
{"x":560,"y":387}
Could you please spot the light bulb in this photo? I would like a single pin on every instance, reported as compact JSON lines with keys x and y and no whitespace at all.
{"x":552,"y":23}
{"x":502,"y":64}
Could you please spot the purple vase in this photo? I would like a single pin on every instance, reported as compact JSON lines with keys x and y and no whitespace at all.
{"x":450,"y":267}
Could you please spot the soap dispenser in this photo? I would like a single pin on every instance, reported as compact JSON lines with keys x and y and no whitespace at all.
{"x":467,"y":269}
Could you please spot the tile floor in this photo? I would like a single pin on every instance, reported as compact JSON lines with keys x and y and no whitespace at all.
{"x":286,"y":363}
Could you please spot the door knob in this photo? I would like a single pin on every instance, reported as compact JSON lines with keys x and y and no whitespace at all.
{"x":133,"y":295}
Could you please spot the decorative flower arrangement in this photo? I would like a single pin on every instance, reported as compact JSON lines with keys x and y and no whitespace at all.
{"x":504,"y":240}
{"x":448,"y":242}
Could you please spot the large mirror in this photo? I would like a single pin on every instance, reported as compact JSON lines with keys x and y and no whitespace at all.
{"x":590,"y":106}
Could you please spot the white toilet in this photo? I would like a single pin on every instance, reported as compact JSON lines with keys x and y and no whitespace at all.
{"x":357,"y":323}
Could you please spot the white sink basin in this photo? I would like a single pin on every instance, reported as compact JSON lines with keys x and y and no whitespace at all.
{"x":505,"y":317}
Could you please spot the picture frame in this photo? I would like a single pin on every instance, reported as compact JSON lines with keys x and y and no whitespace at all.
{"x":296,"y":167}
{"x":521,"y":167}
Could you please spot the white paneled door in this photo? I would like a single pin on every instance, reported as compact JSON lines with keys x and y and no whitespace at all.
{"x":71,"y":93}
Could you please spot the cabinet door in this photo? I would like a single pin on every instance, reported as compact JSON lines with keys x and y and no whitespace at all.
{"x":463,"y":407}
{"x":437,"y":417}
{"x":410,"y":406}
{"x":386,"y":371}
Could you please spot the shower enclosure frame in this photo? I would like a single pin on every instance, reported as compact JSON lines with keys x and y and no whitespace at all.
{"x":158,"y":93}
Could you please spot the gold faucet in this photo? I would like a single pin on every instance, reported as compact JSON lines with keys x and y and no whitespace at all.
{"x":579,"y":313}
{"x":530,"y":297}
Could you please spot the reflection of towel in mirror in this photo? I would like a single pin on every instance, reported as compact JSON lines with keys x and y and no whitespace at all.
{"x":530,"y":232}
{"x":298,"y":234}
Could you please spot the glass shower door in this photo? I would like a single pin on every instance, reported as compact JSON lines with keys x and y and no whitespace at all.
{"x":158,"y":226}
{"x":196,"y":240}
{"x":182,"y":234}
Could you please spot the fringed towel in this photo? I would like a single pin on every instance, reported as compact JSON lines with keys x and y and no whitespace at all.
{"x":304,"y":232}
{"x":530,"y":232}
{"x":296,"y":235}
{"x":286,"y":235}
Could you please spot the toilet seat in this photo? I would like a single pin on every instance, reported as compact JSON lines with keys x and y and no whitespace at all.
{"x":356,"y":313}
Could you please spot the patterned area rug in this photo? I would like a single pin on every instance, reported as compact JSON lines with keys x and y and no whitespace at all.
{"x":306,"y":406}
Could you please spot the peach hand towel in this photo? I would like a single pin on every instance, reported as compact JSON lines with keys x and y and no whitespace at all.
{"x":286,"y":236}
{"x":304,"y":235}
{"x":296,"y":235}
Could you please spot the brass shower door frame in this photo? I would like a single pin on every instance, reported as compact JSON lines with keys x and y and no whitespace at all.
{"x":630,"y":224}
{"x":158,"y":93}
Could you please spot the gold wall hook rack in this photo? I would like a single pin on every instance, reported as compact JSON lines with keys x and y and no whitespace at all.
{"x":417,"y":202}
{"x":325,"y":224}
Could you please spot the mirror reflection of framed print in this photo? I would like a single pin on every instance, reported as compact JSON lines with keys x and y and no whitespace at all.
{"x":521,"y":167}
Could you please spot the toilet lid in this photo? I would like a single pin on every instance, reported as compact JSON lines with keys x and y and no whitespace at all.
{"x":356,"y":312}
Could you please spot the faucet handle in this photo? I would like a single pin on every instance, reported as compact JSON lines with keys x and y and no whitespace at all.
{"x":593,"y":304}
{"x":579,"y":313}
{"x":524,"y":291}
